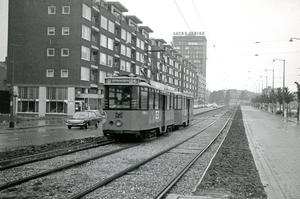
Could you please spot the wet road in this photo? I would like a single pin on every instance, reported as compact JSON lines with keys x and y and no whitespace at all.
{"x":12,"y":139}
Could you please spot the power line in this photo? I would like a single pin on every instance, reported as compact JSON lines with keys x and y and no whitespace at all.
{"x":182,"y":15}
{"x":202,"y":22}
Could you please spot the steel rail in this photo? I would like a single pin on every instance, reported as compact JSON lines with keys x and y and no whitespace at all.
{"x":50,"y":154}
{"x":135,"y":166}
{"x":167,"y":188}
{"x":41,"y":174}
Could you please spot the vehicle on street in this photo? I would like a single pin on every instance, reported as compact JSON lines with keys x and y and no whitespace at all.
{"x":140,"y":109}
{"x":83,"y":119}
{"x":97,"y":112}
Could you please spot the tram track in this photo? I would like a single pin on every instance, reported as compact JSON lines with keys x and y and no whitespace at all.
{"x":111,"y":178}
{"x":11,"y":163}
{"x":19,"y":161}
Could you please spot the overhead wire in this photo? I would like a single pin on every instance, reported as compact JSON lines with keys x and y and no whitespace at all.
{"x":182,"y":15}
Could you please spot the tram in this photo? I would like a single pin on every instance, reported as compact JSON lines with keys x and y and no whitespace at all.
{"x":137,"y":108}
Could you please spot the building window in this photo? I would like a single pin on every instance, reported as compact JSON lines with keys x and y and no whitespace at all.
{"x":51,"y":9}
{"x":138,"y":43}
{"x":102,"y":75}
{"x":85,"y":73}
{"x":137,"y":56}
{"x":128,"y":66}
{"x":86,"y":33}
{"x":123,"y":65}
{"x":103,"y":22}
{"x":103,"y":41}
{"x":142,"y":45}
{"x":65,"y":52}
{"x":123,"y":49}
{"x":86,"y":12}
{"x":56,"y":100}
{"x":28,"y":99}
{"x":66,"y":10}
{"x":111,"y":27}
{"x":110,"y":44}
{"x":103,"y":59}
{"x":109,"y":61}
{"x":65,"y":31}
{"x":64,"y":73}
{"x":128,"y":52}
{"x":85,"y":53}
{"x":123,"y":34}
{"x":50,"y":52}
{"x":49,"y":73}
{"x":51,"y":31}
{"x":128,"y":37}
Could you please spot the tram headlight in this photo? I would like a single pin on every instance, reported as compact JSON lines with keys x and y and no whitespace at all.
{"x":118,"y":123}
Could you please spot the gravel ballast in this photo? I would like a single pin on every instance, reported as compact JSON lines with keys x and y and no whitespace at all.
{"x":233,"y":173}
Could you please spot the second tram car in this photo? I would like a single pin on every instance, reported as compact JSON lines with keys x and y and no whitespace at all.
{"x":138,"y":109}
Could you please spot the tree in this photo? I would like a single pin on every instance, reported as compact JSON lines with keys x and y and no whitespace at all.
{"x":279,"y":98}
{"x":273,"y":99}
{"x":217,"y":96}
{"x":287,"y":97}
{"x":227,"y":98}
{"x":298,"y":99}
{"x":243,"y":95}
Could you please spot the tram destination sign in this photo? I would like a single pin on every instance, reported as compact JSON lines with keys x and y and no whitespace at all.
{"x":119,"y":80}
{"x":123,"y":81}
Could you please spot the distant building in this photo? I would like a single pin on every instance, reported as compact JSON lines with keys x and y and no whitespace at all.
{"x":4,"y":92}
{"x":60,"y":51}
{"x":194,"y":49}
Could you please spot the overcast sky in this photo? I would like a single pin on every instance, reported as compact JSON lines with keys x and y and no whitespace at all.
{"x":236,"y":31}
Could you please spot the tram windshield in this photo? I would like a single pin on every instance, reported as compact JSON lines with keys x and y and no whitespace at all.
{"x":122,"y":97}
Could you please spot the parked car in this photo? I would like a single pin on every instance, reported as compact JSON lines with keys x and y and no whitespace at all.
{"x":83,"y":119}
{"x":97,"y":112}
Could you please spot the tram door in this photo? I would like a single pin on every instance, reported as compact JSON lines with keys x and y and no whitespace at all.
{"x":163,"y":107}
{"x":188,"y":109}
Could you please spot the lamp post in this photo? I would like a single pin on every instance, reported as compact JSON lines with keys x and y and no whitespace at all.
{"x":272,"y":77}
{"x":283,"y":72}
{"x":266,"y":83}
{"x":283,"y":84}
{"x":272,"y":87}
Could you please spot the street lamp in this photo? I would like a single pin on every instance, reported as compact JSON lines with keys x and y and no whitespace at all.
{"x":261,"y":85}
{"x":292,"y":39}
{"x":266,"y":83}
{"x":283,"y":60}
{"x":273,"y":76}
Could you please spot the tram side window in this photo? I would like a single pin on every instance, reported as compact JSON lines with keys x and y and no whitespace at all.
{"x":168,"y":102}
{"x":178,"y":102}
{"x":171,"y":101}
{"x":135,"y":98}
{"x":151,"y":99}
{"x":144,"y":98}
{"x":184,"y":103}
{"x":156,"y":104}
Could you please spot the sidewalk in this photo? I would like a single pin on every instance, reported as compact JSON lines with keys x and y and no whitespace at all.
{"x":24,"y":123}
{"x":275,"y":145}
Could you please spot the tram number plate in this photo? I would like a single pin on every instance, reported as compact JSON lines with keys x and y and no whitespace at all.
{"x":118,"y":115}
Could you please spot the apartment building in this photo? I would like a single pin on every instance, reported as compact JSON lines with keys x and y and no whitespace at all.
{"x":60,"y":51}
{"x":193,"y":46}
